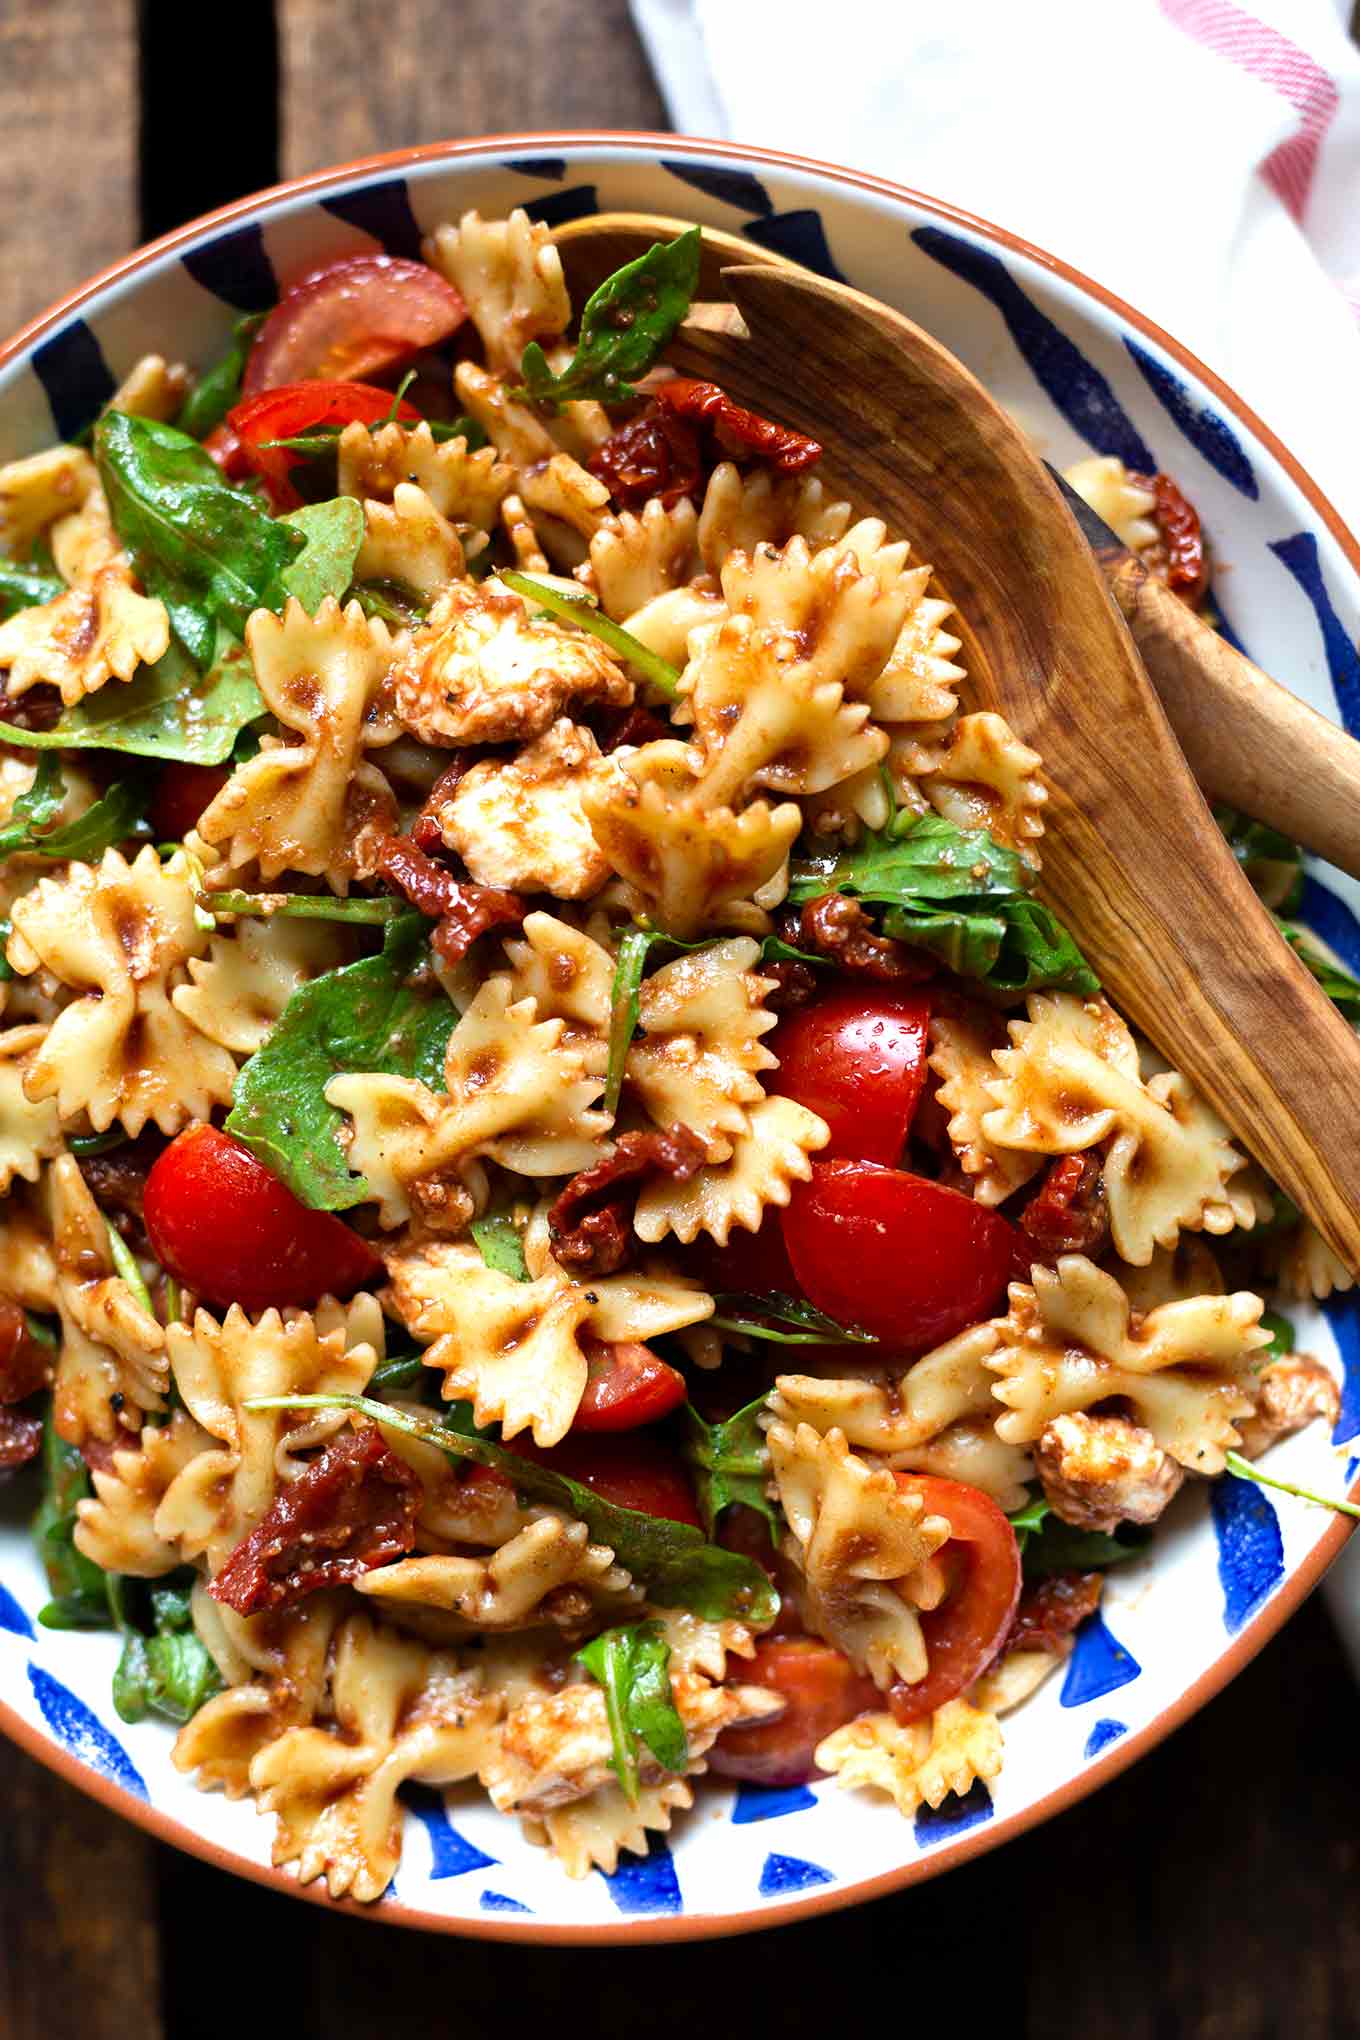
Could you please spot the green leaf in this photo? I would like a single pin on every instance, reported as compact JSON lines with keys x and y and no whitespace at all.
{"x":1271,"y":861}
{"x":111,"y":819}
{"x":357,"y":910}
{"x":209,"y":551}
{"x":334,"y":532}
{"x":125,"y":1263}
{"x":169,"y":711}
{"x":323,"y":439}
{"x":170,"y":1670}
{"x":625,"y":1003}
{"x":663,"y":676}
{"x":744,"y":1311}
{"x":677,"y":1567}
{"x":213,"y":395}
{"x":79,"y":1588}
{"x":26,"y":587}
{"x":1242,"y":1469}
{"x":501,"y":1244}
{"x":633,"y":1666}
{"x":731,"y":1463}
{"x":364,"y":1016}
{"x":399,"y":1370}
{"x":1030,"y":1518}
{"x":34,"y":808}
{"x":624,"y":327}
{"x":390,"y":604}
{"x":1341,"y":988}
{"x":1281,"y":1334}
{"x":1054,"y":1546}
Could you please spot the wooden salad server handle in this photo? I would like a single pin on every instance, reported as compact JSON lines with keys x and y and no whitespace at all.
{"x":1248,"y":740}
{"x":1133,"y":860}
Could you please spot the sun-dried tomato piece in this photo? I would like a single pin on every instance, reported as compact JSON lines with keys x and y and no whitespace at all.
{"x":353,"y":1508}
{"x":792,"y":985}
{"x":1051,"y":1610}
{"x":743,"y":434}
{"x":117,"y":1181}
{"x":656,"y":454}
{"x":20,"y":1438}
{"x":1069,"y":1213}
{"x":616,"y":727}
{"x":23,"y":1361}
{"x":38,"y":709}
{"x":463,"y":910}
{"x":838,"y":928}
{"x":589,"y":1224}
{"x":1179,"y":558}
{"x":426,"y":832}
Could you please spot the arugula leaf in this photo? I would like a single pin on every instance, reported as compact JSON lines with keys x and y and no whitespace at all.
{"x":213,"y":395}
{"x":111,"y":819}
{"x":672,"y":1560}
{"x":34,"y":808}
{"x":1030,"y":1518}
{"x":209,"y":551}
{"x":1242,"y":1469}
{"x":624,"y":327}
{"x":390,"y":604}
{"x":363,"y":1016}
{"x":323,"y":439}
{"x":625,"y":1004}
{"x":356,"y":909}
{"x":500,"y":1244}
{"x":125,"y":1265}
{"x":169,"y":1671}
{"x":334,"y":532}
{"x":1052,"y":1546}
{"x":26,"y":587}
{"x":663,"y":676}
{"x":79,"y":1588}
{"x":732,"y":1464}
{"x":742,"y":1311}
{"x":958,"y":894}
{"x":1341,"y":988}
{"x":399,"y":1370}
{"x":1281,"y":1334}
{"x":168,"y":711}
{"x":633,"y":1666}
{"x":1271,"y":861}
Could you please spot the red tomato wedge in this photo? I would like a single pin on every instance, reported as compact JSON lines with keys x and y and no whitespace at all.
{"x":224,"y":1226}
{"x":966,"y":1631}
{"x":900,"y":1256}
{"x":635,"y":1472}
{"x":821,"y":1691}
{"x":857,"y":1058}
{"x":353,"y":318}
{"x":300,"y":407}
{"x":182,"y":793}
{"x":223,"y":446}
{"x":627,"y":1385}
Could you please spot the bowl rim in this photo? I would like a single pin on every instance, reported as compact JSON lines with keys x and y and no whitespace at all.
{"x":693,"y":1926}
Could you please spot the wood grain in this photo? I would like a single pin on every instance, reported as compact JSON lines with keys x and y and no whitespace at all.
{"x":358,"y":78}
{"x":67,"y":144}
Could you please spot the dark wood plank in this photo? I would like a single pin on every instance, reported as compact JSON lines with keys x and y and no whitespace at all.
{"x":78,"y":1934}
{"x":67,"y":118}
{"x":357,"y":79}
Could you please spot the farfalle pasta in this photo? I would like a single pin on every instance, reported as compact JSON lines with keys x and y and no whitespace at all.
{"x":541,"y":1067}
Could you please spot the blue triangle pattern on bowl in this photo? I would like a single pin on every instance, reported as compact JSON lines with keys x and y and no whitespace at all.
{"x":83,"y":1733}
{"x":1099,"y":1664}
{"x":384,"y":211}
{"x":1250,"y":1548}
{"x":790,"y":1873}
{"x":645,"y":1884}
{"x":959,"y":1812}
{"x":1211,"y":436}
{"x":1300,"y":555}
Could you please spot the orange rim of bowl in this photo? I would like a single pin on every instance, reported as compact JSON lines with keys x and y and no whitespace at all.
{"x":695,"y":1926}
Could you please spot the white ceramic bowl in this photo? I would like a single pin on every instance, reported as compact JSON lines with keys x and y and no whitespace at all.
{"x":1082,"y":373}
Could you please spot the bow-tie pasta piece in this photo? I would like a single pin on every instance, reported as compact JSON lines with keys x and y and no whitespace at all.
{"x":1070,"y":1341}
{"x":701,"y":1019}
{"x":518,"y":822}
{"x":220,"y":1367}
{"x":100,"y":628}
{"x":275,"y":1670}
{"x":30,"y":1132}
{"x":530,"y":557}
{"x":919,"y":1764}
{"x":510,"y":277}
{"x":863,"y":1547}
{"x":307,"y":806}
{"x":399,"y":1712}
{"x":111,"y":1358}
{"x":121,"y":935}
{"x":844,"y":604}
{"x":409,"y":542}
{"x":1188,"y":1269}
{"x":570,"y":977}
{"x":483,"y":670}
{"x":768,"y":1157}
{"x":30,"y":1277}
{"x":549,"y":1572}
{"x":961,"y":1048}
{"x":1309,"y":1268}
{"x":37,"y":491}
{"x":1118,"y":497}
{"x":152,"y":388}
{"x":465,"y":489}
{"x":239,"y":990}
{"x":1071,"y":1081}
{"x":985,"y":778}
{"x":517,"y":433}
{"x":742,"y":511}
{"x":567,"y":505}
{"x":635,"y":559}
{"x":687,"y":858}
{"x":665,"y":624}
{"x":632,"y":1306}
{"x":592,"y":1833}
{"x":117,"y":1526}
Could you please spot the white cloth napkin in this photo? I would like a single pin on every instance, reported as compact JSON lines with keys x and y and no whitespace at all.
{"x":1200,"y":158}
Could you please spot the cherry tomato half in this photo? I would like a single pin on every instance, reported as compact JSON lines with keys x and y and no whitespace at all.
{"x":223,"y":1225}
{"x":627,"y":1385}
{"x":966,"y":1631}
{"x":904,"y":1257}
{"x":821,"y":1691}
{"x":224,"y":446}
{"x":635,"y":1471}
{"x":182,"y":793}
{"x":354,"y":317}
{"x":300,"y":407}
{"x":857,"y":1058}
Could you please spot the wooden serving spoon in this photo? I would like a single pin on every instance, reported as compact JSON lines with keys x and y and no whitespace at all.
{"x":1249,"y":741}
{"x":1132,"y":857}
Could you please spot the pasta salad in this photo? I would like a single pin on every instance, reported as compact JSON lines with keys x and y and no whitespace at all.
{"x":571,"y":1218}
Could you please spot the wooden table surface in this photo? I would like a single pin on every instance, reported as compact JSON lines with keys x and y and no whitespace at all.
{"x":1210,"y":1891}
